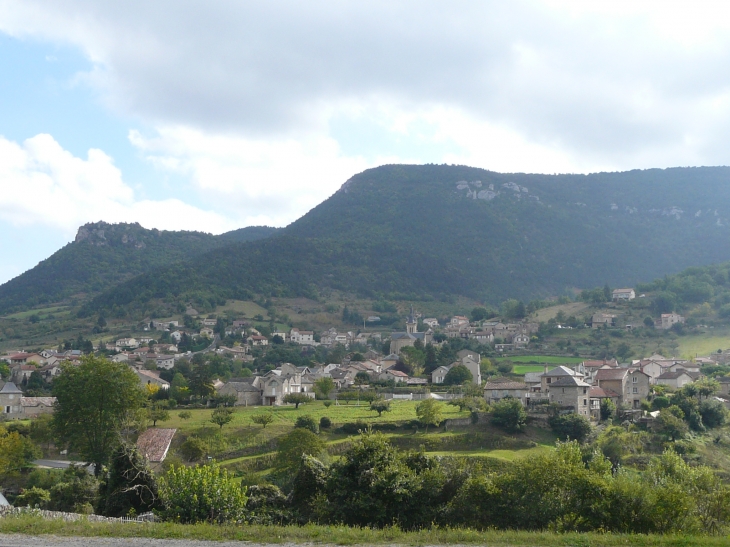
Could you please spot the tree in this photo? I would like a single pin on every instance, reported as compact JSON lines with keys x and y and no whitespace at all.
{"x":430,"y":363}
{"x":293,"y":446}
{"x":130,"y":486}
{"x":93,"y":402}
{"x":509,"y":414}
{"x":362,"y":378}
{"x":158,"y":413}
{"x":713,"y":413}
{"x":608,"y":409}
{"x":185,"y":415}
{"x":16,"y":452}
{"x":570,"y":426}
{"x":324,"y":386}
{"x":457,"y":375}
{"x":4,"y":371}
{"x":76,"y":492}
{"x":297,"y":399}
{"x":707,"y":387}
{"x":218,"y":496}
{"x":648,"y":322}
{"x":262,"y":419}
{"x":221,"y":416}
{"x":380,"y":406}
{"x":671,"y":425}
{"x":201,"y":381}
{"x":429,"y":413}
{"x":479,"y":314}
{"x":33,"y":497}
{"x":193,"y":449}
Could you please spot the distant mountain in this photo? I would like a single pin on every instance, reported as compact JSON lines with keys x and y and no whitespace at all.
{"x":104,"y":255}
{"x":413,"y":231}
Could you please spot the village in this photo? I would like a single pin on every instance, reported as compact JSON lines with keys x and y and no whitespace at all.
{"x":576,"y":387}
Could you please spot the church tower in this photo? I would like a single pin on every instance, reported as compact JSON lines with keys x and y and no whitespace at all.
{"x":411,"y":323}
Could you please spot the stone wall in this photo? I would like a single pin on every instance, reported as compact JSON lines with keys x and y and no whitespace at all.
{"x":10,"y":511}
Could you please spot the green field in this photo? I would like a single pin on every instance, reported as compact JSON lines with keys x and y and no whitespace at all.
{"x":522,"y":369}
{"x":56,"y":310}
{"x":540,"y":359}
{"x":703,"y":344}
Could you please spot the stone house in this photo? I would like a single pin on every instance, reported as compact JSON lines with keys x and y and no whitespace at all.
{"x":10,"y":401}
{"x":150,"y":377}
{"x":495,"y":391}
{"x":668,"y":320}
{"x":246,"y":390}
{"x":638,"y":385}
{"x":571,"y":393}
{"x":396,"y":375}
{"x":438,"y":375}
{"x":676,"y":379}
{"x":552,"y":376}
{"x":603,"y":320}
{"x":35,"y":406}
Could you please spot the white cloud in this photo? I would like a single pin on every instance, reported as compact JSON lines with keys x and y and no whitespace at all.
{"x":41,"y":183}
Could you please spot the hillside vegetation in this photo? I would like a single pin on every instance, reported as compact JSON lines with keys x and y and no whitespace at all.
{"x":103,"y":255}
{"x":429,"y":231}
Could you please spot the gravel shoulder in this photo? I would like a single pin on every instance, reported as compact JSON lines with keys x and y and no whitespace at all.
{"x":20,"y":540}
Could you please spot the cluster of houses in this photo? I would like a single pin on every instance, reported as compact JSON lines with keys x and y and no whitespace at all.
{"x":581,"y":388}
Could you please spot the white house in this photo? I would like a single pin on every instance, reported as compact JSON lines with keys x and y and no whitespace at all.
{"x":623,"y":294}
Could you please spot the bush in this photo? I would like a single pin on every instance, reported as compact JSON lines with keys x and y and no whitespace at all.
{"x":201,"y":494}
{"x":660,"y":402}
{"x":353,"y":428}
{"x":509,"y":414}
{"x":325,"y":422}
{"x":33,"y":497}
{"x":307,"y":422}
{"x":327,"y":404}
{"x":457,"y":375}
{"x":570,"y":426}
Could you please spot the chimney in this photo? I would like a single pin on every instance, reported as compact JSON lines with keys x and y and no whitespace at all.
{"x":546,"y":369}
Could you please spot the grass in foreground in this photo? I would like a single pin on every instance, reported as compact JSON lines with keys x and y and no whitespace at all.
{"x":341,"y":535}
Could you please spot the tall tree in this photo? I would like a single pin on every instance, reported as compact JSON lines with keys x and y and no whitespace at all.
{"x":94,"y":400}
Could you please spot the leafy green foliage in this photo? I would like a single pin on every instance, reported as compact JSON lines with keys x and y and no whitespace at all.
{"x":429,"y":412}
{"x":293,"y":446}
{"x":221,"y":416}
{"x":457,"y":375}
{"x":380,"y":406}
{"x":509,"y":414}
{"x":307,"y":422}
{"x":130,"y":486}
{"x":570,"y":426}
{"x":201,"y":494}
{"x":95,"y":400}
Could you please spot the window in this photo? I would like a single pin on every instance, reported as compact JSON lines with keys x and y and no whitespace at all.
{"x":585,"y":402}
{"x":7,"y":410}
{"x":635,"y":379}
{"x":548,"y":380}
{"x":636,"y":390}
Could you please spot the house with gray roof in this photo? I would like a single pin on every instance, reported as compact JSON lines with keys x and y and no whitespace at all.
{"x":10,"y":401}
{"x":247,"y":391}
{"x":572,"y":394}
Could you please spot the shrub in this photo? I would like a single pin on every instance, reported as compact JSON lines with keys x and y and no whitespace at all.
{"x":307,"y":422}
{"x":33,"y":497}
{"x":608,"y":409}
{"x":353,"y":428}
{"x":457,"y":375}
{"x":380,"y":406}
{"x":325,"y":422}
{"x":293,"y":446}
{"x":509,"y":414}
{"x":185,"y":415}
{"x":713,"y":413}
{"x":201,"y":494}
{"x":570,"y":426}
{"x":327,"y":404}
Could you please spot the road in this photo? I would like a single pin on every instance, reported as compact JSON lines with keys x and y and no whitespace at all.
{"x":16,"y":540}
{"x":62,"y":464}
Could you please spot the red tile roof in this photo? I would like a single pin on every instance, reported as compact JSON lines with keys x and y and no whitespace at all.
{"x":154,"y":443}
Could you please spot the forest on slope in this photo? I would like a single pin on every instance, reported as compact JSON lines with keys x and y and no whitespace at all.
{"x":104,"y":255}
{"x":433,"y":230}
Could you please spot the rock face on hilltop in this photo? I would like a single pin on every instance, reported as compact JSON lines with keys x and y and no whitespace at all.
{"x":103,"y":255}
{"x":438,"y":230}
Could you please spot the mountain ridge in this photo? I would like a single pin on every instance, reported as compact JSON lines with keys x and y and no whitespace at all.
{"x":437,"y":230}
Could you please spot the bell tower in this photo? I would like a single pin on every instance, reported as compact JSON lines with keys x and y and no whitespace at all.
{"x":411,"y":323}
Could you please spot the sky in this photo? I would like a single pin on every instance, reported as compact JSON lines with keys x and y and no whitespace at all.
{"x":213,"y":116}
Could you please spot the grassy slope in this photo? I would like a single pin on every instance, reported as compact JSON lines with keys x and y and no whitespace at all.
{"x":341,"y":535}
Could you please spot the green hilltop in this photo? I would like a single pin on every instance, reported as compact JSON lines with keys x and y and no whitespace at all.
{"x":404,"y":231}
{"x":104,"y":255}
